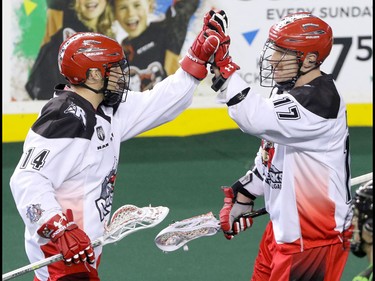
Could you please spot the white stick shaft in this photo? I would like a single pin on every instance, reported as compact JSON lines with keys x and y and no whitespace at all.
{"x":361,"y":179}
{"x":39,"y":264}
{"x":32,"y":266}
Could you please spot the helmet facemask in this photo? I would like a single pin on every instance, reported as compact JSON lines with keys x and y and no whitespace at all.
{"x":116,"y":83}
{"x":279,"y":67}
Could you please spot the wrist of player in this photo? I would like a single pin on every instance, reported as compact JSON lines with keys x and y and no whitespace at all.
{"x":225,"y":67}
{"x":72,"y":242}
{"x":194,"y":66}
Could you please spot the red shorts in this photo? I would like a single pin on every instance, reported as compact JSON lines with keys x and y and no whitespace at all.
{"x":319,"y":264}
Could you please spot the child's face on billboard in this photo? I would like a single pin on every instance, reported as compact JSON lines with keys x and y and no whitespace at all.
{"x":91,"y":10}
{"x":132,"y":15}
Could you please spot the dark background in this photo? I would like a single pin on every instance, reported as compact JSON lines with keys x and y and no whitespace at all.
{"x":184,"y":174}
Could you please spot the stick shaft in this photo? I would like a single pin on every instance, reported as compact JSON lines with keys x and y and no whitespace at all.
{"x":32,"y":266}
{"x":39,"y":264}
{"x":256,"y":213}
{"x":361,"y":179}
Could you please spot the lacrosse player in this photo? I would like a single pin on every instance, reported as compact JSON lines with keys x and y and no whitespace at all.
{"x":64,"y":183}
{"x":302,"y":166}
{"x":361,"y":243}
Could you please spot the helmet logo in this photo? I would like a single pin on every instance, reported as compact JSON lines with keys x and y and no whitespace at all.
{"x":90,"y":42}
{"x":290,"y":19}
{"x":307,"y":25}
{"x":94,"y":54}
{"x":68,"y":42}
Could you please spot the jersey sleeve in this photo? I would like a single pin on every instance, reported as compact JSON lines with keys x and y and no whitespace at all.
{"x":143,"y":111}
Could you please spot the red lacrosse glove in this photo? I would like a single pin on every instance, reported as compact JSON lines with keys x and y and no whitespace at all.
{"x":231,"y":220}
{"x":200,"y":52}
{"x":70,"y":240}
{"x":217,"y":26}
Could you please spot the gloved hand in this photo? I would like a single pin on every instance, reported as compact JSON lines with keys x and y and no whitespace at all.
{"x":70,"y":240}
{"x":200,"y":52}
{"x":231,"y":219}
{"x":218,"y":25}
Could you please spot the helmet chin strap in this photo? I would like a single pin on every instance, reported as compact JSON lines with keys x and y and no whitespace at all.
{"x":300,"y":73}
{"x":100,"y":91}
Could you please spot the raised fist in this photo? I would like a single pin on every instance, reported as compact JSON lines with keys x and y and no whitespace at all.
{"x":201,"y":51}
{"x":217,"y":26}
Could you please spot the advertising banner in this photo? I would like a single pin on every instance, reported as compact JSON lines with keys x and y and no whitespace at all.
{"x":34,"y":29}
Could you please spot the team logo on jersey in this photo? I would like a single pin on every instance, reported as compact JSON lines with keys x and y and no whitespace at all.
{"x":77,"y":112}
{"x":274,"y":177}
{"x":34,"y":212}
{"x":100,"y":133}
{"x":267,"y":152}
{"x":104,"y":202}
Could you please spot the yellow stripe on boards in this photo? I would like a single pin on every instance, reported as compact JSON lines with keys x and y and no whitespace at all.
{"x":191,"y":122}
{"x":16,"y":126}
{"x":359,"y":114}
{"x":195,"y":121}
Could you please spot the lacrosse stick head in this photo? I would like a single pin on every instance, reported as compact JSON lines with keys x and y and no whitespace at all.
{"x":179,"y":233}
{"x":129,"y":218}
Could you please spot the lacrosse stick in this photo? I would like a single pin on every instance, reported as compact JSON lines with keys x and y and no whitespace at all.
{"x":125,"y":220}
{"x":361,"y":179}
{"x":179,"y":233}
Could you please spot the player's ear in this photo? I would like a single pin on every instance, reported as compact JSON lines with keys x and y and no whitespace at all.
{"x":310,"y":61}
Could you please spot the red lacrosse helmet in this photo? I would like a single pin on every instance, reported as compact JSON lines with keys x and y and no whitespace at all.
{"x":87,"y":50}
{"x":303,"y":33}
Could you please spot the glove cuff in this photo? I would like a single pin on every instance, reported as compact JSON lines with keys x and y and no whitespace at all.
{"x":194,"y":66}
{"x":227,"y":67}
{"x":55,"y":227}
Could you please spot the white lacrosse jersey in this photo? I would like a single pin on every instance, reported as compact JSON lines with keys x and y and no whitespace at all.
{"x":306,"y":163}
{"x":71,"y":156}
